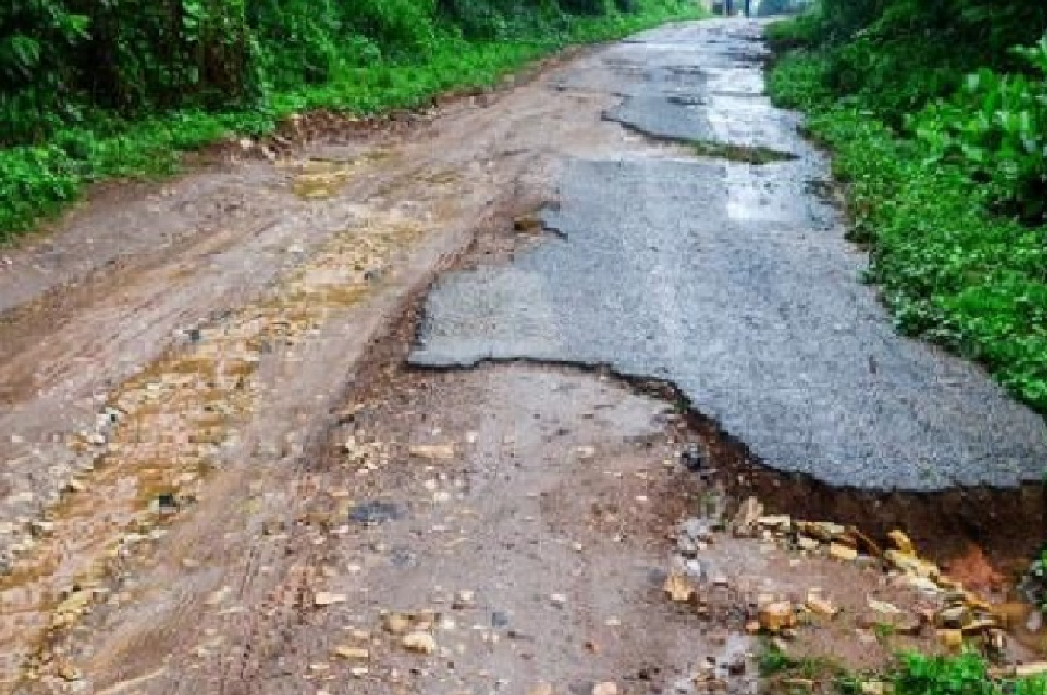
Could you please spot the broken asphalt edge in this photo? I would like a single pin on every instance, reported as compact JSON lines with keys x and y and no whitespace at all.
{"x":1008,"y":520}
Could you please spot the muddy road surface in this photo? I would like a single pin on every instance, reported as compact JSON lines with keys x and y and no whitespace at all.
{"x":246,"y":450}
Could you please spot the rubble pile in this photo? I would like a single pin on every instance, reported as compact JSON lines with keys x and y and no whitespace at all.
{"x":955,"y":618}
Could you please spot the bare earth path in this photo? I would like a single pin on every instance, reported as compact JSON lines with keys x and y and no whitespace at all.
{"x":218,"y":476}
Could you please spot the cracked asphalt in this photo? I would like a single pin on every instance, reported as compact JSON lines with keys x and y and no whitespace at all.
{"x":734,"y":282}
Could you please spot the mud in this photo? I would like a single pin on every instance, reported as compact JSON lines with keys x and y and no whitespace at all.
{"x":183,"y":343}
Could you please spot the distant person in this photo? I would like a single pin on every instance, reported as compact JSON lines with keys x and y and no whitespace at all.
{"x":728,"y":8}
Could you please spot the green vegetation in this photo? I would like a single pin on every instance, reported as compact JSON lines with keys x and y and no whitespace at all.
{"x":913,"y":674}
{"x":1036,"y":581}
{"x":776,"y":664}
{"x":98,"y":88}
{"x":960,"y":675}
{"x":937,"y":115}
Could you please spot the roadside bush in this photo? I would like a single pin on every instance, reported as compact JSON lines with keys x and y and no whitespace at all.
{"x":896,"y":56}
{"x":996,"y":127}
{"x":962,"y":675}
{"x":98,"y":88}
{"x":951,"y":267}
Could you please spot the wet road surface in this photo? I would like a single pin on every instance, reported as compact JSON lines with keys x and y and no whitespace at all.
{"x":733,"y":281}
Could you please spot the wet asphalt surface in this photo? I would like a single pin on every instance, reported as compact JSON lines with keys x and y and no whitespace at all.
{"x":734,"y":282}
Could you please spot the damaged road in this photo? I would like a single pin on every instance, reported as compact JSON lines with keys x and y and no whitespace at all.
{"x":240,"y":455}
{"x":733,"y":281}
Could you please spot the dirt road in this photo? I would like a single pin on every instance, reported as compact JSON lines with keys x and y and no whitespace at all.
{"x":220,"y":476}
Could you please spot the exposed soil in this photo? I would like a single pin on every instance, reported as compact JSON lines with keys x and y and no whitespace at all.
{"x":212,"y":480}
{"x":170,"y":343}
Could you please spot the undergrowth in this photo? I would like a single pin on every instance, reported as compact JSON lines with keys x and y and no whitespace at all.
{"x":911,"y":674}
{"x":241,"y":70}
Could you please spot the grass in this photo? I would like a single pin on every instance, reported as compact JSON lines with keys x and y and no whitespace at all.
{"x":38,"y":182}
{"x":783,"y":674}
{"x":911,"y":674}
{"x":950,"y":270}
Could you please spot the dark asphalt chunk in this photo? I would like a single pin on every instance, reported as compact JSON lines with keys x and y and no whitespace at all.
{"x":734,"y":282}
{"x":371,"y":513}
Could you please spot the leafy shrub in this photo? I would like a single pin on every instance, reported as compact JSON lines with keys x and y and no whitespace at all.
{"x":898,"y":55}
{"x":951,"y":271}
{"x":996,"y":126}
{"x":961,"y":675}
{"x":1035,"y":582}
{"x":97,"y":88}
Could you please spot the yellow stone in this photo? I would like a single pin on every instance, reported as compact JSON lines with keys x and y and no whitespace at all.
{"x":397,"y":623}
{"x":842,"y":552}
{"x":352,"y":653}
{"x":902,"y":542}
{"x":821,"y":606}
{"x":951,"y":639}
{"x":678,"y":589}
{"x":776,"y":617}
{"x":420,"y":642}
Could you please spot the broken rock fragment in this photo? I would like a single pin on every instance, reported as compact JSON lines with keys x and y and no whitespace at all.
{"x":326,"y":598}
{"x":678,"y":589}
{"x":951,"y":639}
{"x":463,"y":599}
{"x":397,"y":623}
{"x":780,"y":523}
{"x":842,"y":552}
{"x":352,"y":653}
{"x":744,"y":523}
{"x":821,"y":606}
{"x":419,"y":643}
{"x":901,"y":543}
{"x":697,"y":530}
{"x":954,"y":618}
{"x":807,"y":543}
{"x":433,"y":452}
{"x":375,"y":512}
{"x":775,"y":617}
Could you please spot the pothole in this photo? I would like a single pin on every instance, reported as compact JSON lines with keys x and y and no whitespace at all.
{"x":983,"y":537}
{"x":820,"y":591}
